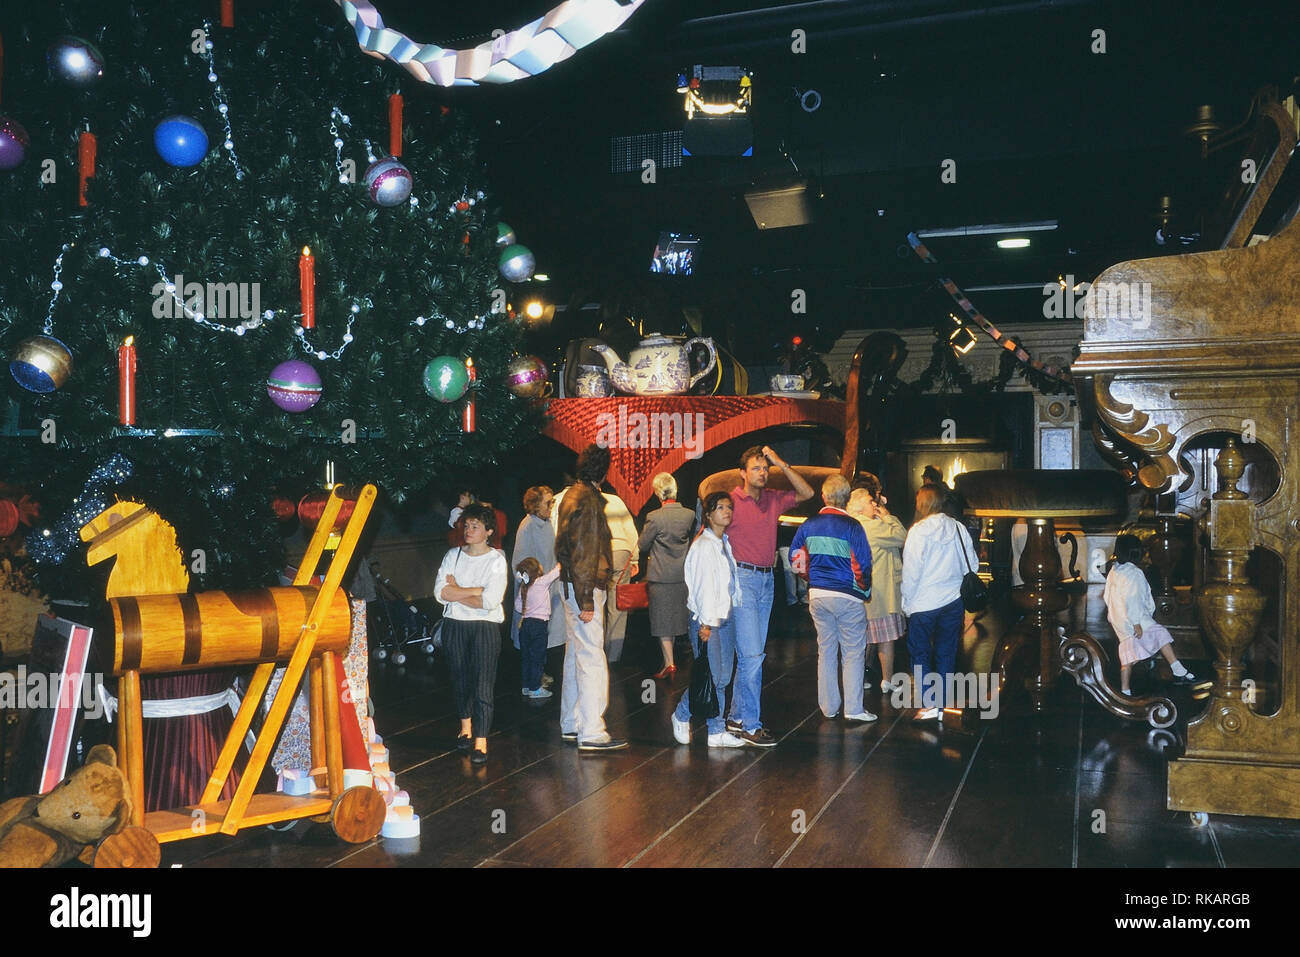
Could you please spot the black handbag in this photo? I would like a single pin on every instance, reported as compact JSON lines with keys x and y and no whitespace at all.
{"x":704,"y":696}
{"x":974,"y":596}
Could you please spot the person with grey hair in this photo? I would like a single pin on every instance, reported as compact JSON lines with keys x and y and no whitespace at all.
{"x":831,"y":550}
{"x":667,"y":537}
{"x":886,"y":535}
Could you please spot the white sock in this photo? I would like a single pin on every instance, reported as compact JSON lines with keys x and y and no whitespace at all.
{"x":1178,"y":669}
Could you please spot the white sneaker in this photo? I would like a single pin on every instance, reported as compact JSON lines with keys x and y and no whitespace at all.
{"x":886,"y":688}
{"x":860,"y":716}
{"x":682,"y":731}
{"x":725,"y":739}
{"x":927,"y":714}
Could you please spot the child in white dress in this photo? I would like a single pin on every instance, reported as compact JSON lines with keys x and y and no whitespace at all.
{"x":1129,"y":608}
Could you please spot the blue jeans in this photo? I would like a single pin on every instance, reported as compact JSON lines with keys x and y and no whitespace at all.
{"x":751,"y":640}
{"x":532,"y":651}
{"x":932,"y":638}
{"x":721,"y":649}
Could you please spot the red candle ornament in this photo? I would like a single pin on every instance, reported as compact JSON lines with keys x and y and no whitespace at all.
{"x":87,"y":147}
{"x":126,"y":381}
{"x":395,"y":124}
{"x":468,"y":416}
{"x":470,"y":371}
{"x":227,"y":13}
{"x":307,"y":285}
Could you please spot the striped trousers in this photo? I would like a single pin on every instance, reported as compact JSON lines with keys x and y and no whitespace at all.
{"x":472,"y":650}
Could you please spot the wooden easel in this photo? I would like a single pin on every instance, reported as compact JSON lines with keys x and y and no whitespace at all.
{"x":146,"y":550}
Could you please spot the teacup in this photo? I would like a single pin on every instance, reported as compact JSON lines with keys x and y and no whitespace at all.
{"x":783,"y":382}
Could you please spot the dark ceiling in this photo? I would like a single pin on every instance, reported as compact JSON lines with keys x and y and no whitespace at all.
{"x":1039,"y":125}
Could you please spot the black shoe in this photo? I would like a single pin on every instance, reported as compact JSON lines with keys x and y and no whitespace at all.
{"x":760,"y":738}
{"x":735,"y":727}
{"x":464,"y":742}
{"x":613,"y":744}
{"x":478,"y":757}
{"x":569,"y":738}
{"x":1187,"y":679}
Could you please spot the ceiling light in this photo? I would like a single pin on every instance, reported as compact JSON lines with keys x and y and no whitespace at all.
{"x":1019,"y":242}
{"x":534,"y":309}
{"x":541,"y":277}
{"x":988,"y":230}
{"x":779,"y":208}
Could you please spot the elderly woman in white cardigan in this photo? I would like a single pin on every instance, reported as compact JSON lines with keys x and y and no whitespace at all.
{"x":886,"y":535}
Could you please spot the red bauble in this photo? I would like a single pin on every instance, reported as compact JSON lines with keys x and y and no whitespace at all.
{"x":312,"y":508}
{"x":284,"y":508}
{"x":8,"y":518}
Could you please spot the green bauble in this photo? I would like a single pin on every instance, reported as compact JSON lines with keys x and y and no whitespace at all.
{"x":445,"y":378}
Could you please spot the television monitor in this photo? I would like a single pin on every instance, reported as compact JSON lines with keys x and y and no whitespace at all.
{"x":675,"y":254}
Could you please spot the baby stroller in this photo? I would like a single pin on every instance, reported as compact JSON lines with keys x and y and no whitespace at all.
{"x":398,"y":624}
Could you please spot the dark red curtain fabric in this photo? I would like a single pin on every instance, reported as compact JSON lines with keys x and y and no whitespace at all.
{"x":180,"y":753}
{"x":614,"y":422}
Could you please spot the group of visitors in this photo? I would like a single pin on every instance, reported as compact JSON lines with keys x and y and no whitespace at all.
{"x":870,"y":582}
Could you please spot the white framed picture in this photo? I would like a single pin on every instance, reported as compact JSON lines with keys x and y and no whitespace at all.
{"x":1056,"y":448}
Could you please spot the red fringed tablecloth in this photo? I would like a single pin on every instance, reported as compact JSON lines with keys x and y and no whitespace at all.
{"x":646,"y":436}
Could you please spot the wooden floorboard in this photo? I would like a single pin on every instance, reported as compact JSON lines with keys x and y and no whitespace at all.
{"x":1072,"y":786}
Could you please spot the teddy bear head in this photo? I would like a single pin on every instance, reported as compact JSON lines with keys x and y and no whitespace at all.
{"x":92,"y":803}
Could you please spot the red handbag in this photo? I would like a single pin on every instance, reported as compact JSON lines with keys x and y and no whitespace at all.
{"x":631,"y":596}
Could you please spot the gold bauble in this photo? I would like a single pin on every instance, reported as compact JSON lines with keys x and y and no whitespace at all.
{"x":41,"y":364}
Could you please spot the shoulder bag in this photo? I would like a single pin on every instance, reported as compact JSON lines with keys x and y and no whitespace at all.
{"x":974,"y":595}
{"x":632,"y":595}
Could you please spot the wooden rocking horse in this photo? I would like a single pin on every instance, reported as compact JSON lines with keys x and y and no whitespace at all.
{"x":159,"y":629}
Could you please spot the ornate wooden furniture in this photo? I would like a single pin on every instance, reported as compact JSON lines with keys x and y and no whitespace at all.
{"x":1208,"y":344}
{"x":1041,"y":496}
{"x":305,"y":626}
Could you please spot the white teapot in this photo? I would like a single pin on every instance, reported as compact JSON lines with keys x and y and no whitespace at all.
{"x":660,"y":365}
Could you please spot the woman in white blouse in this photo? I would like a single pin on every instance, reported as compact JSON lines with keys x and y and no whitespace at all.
{"x":471,"y":586}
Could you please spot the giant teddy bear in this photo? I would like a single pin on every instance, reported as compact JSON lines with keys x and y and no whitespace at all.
{"x":46,"y":830}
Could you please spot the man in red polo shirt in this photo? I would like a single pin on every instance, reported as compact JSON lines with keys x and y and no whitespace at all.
{"x":753,"y":542}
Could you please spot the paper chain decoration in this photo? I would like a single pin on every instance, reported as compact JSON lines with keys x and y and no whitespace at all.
{"x":1006,"y":342}
{"x":530,"y":50}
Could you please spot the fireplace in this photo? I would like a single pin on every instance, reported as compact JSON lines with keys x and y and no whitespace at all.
{"x":951,"y":458}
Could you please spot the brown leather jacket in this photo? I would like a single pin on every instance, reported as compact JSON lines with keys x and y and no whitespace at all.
{"x":582,"y":543}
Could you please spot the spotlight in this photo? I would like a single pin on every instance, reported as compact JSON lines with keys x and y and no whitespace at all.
{"x":962,"y":340}
{"x":534,"y":309}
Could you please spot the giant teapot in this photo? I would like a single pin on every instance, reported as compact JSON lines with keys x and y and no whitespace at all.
{"x":660,"y":365}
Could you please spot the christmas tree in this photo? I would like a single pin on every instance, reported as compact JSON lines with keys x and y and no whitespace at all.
{"x":198,"y":253}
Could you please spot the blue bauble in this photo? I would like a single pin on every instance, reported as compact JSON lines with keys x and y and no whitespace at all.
{"x":180,"y":141}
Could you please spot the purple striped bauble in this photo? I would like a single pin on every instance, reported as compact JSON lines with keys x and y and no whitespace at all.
{"x":294,"y":386}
